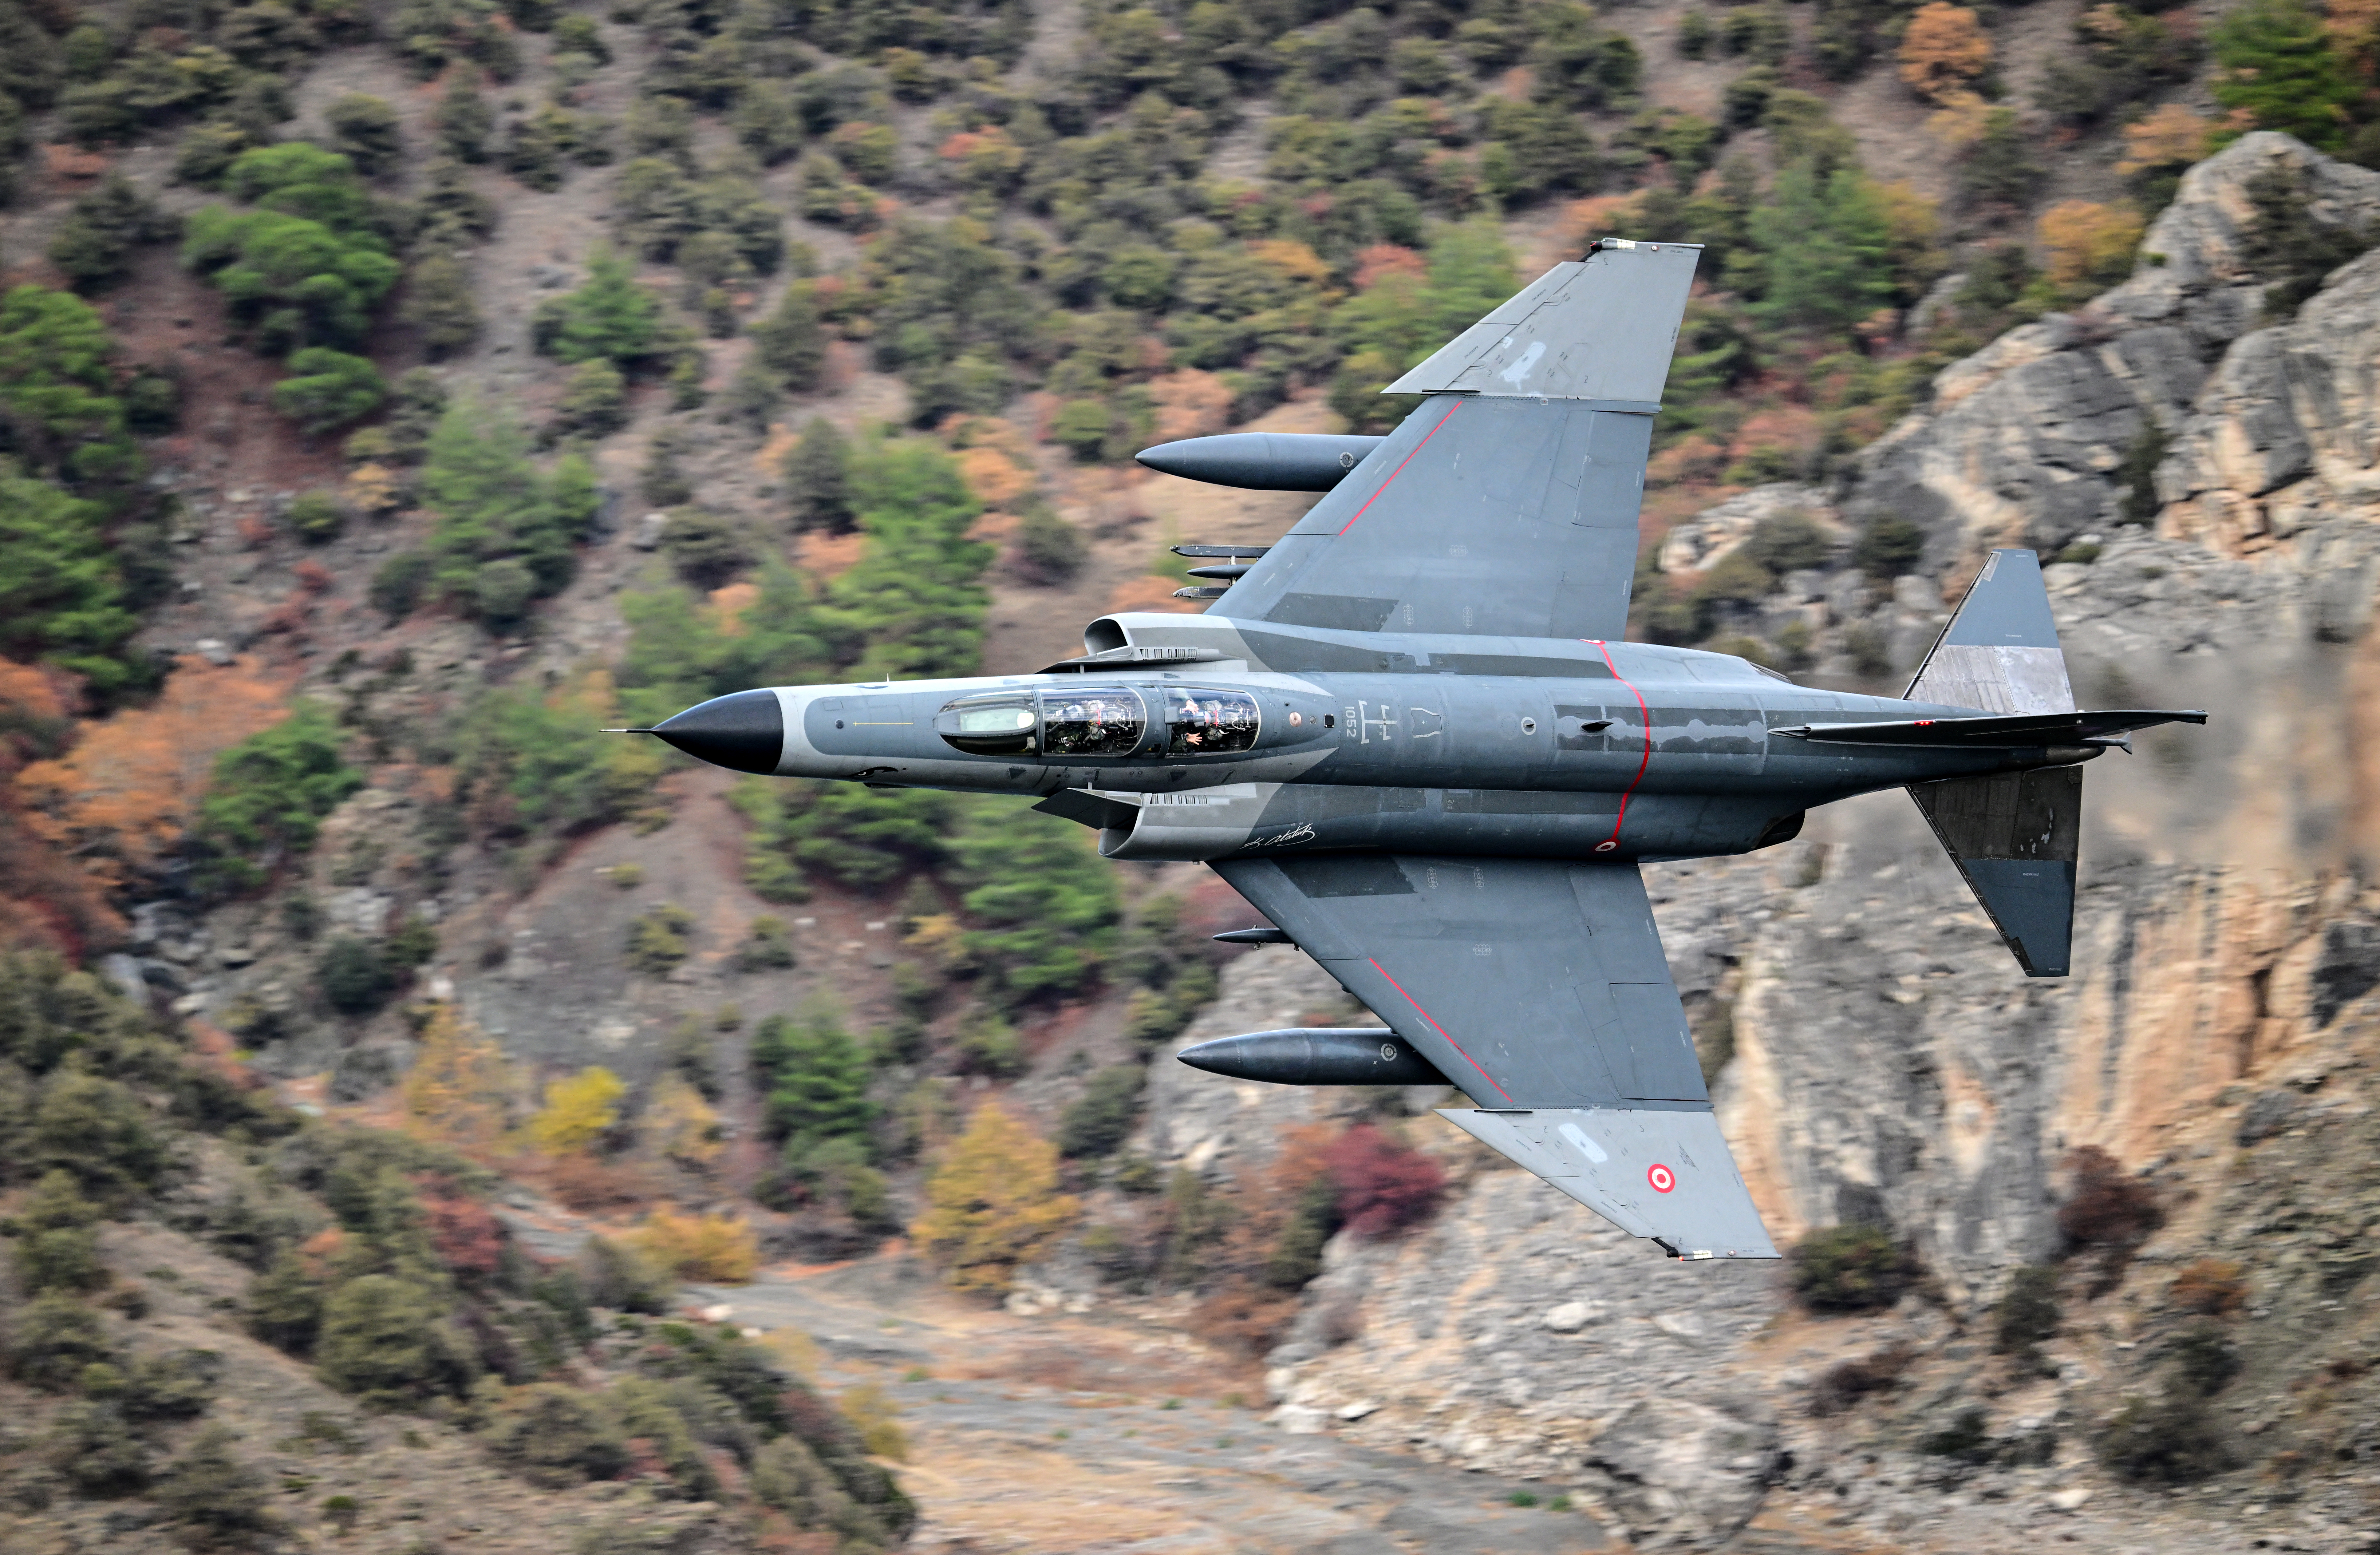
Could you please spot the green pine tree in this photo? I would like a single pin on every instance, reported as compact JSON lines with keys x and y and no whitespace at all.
{"x":818,"y":479}
{"x":610,"y":316}
{"x":912,"y":607}
{"x":819,"y":1075}
{"x":791,"y":342}
{"x":61,"y":600}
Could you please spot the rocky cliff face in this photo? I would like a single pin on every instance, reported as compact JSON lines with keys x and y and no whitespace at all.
{"x":2022,"y":442}
{"x":1890,"y":1065}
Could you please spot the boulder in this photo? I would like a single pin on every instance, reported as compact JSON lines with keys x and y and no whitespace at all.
{"x":1683,"y":1471}
{"x":1711,"y":534}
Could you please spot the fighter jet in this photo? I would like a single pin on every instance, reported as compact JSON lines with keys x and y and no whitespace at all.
{"x":1410,"y":734}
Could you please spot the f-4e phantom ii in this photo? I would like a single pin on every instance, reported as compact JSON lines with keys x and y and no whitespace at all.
{"x":1410,"y":735}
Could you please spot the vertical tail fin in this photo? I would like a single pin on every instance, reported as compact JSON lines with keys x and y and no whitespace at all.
{"x":2014,"y":836}
{"x":2000,"y":651}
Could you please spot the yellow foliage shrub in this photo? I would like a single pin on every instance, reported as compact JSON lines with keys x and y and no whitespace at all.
{"x":1916,"y":222}
{"x":1291,"y":260}
{"x":679,"y":1125}
{"x":871,"y":1411}
{"x":1961,"y":120}
{"x":578,"y":1112}
{"x":372,"y":488}
{"x":460,"y":1089}
{"x":2088,"y":246}
{"x":993,"y":1203}
{"x":714,"y":1247}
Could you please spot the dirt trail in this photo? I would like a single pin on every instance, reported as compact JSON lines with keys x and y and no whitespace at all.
{"x":1107,"y":1430}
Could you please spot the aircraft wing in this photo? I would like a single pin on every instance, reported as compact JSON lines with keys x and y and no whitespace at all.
{"x":1539,"y":988}
{"x":1506,"y":505}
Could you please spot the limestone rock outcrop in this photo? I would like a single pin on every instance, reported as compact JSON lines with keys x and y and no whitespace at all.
{"x":2287,"y":429}
{"x":2022,"y":442}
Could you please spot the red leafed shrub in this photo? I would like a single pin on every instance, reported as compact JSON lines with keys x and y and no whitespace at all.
{"x":2108,"y":1208}
{"x":468,"y":1238}
{"x":314,"y":576}
{"x":1384,"y":1183}
{"x":811,"y":1418}
{"x":2108,"y":1213}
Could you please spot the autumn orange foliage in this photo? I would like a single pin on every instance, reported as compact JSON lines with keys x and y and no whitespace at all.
{"x":728,"y":603}
{"x":593,"y":1185}
{"x":2354,"y":25}
{"x":993,"y":478}
{"x":1383,"y":260}
{"x":1190,"y":404}
{"x":464,"y":1232}
{"x":1598,"y":215}
{"x":122,"y":797}
{"x":2172,"y":137}
{"x":30,"y":696}
{"x":44,"y":899}
{"x":1944,"y":49}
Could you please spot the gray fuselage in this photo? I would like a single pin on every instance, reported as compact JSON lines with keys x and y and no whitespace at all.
{"x":1305,"y":739}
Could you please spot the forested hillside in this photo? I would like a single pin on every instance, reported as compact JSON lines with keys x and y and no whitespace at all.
{"x":393,"y":395}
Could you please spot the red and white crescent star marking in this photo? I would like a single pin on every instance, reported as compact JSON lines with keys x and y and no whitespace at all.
{"x":1661,"y":1177}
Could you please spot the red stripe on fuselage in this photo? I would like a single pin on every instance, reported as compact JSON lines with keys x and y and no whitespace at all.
{"x":1605,"y":648}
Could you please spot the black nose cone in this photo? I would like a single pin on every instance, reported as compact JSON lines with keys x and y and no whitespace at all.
{"x":744,"y":732}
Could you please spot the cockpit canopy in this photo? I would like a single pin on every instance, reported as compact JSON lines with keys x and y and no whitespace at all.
{"x":991,"y":723}
{"x":1079,"y":721}
{"x":1092,"y":721}
{"x":1201,"y":722}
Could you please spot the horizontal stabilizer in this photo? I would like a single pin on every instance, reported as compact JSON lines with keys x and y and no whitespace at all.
{"x":1666,"y":1175}
{"x":2015,"y":837}
{"x":2015,"y":732}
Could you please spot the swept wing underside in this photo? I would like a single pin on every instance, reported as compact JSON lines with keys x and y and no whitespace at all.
{"x":1539,"y":988}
